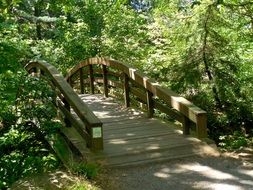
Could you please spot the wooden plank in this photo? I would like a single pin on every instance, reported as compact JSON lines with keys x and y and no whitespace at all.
{"x":105,"y":81}
{"x":71,"y":97}
{"x":91,"y":75}
{"x":80,"y":127}
{"x":148,"y":128}
{"x":126,"y":90}
{"x":150,"y":104}
{"x":138,"y":134}
{"x":164,"y":138}
{"x":167,"y":110}
{"x":126,"y":124}
{"x":81,"y":80}
{"x":77,"y":142}
{"x":186,"y":125}
{"x":119,"y":150}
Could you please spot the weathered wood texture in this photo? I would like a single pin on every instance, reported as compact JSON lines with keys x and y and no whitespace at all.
{"x":130,"y":138}
{"x":68,"y":99}
{"x":153,"y":90}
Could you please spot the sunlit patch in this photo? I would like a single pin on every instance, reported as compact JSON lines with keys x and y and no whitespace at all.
{"x":246,"y":172}
{"x":207,"y":171}
{"x":247,"y":182}
{"x":130,"y":134}
{"x":118,"y":142}
{"x":222,"y":186}
{"x":161,"y":175}
{"x":153,"y":147}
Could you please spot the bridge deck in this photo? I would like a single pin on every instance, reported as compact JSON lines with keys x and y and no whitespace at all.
{"x":130,"y":138}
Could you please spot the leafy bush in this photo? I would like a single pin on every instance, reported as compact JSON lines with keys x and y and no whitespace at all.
{"x":86,"y":169}
{"x":234,"y":141}
{"x":25,"y":125}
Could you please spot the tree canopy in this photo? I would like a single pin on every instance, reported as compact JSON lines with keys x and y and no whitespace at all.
{"x":202,"y":49}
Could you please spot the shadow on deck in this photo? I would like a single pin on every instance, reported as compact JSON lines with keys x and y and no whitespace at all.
{"x":130,"y":138}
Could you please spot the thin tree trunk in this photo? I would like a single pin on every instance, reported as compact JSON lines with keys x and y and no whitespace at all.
{"x":38,"y":25}
{"x":205,"y":60}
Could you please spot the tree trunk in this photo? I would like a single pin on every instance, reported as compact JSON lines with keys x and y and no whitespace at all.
{"x":38,"y":25}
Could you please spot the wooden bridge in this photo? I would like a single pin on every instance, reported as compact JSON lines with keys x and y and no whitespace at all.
{"x":122,"y":131}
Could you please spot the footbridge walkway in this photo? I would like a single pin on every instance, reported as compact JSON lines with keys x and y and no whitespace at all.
{"x":120,"y":127}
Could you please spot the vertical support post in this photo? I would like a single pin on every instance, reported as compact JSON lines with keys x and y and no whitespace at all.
{"x":201,"y":125}
{"x":70,"y":81}
{"x":105,"y":81}
{"x":42,"y":72}
{"x":91,"y":79}
{"x":67,"y":106}
{"x":81,"y":80}
{"x":150,"y":104}
{"x":126,"y":90}
{"x":186,"y":125}
{"x":96,"y":141}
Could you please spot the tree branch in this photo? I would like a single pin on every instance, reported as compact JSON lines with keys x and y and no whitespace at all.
{"x":34,"y":19}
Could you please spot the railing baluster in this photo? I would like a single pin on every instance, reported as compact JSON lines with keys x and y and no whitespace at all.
{"x":105,"y":81}
{"x":81,"y":80}
{"x":186,"y":125}
{"x":126,"y":90}
{"x":92,"y":89}
{"x":150,"y":104}
{"x":201,"y":126}
{"x":188,"y":112}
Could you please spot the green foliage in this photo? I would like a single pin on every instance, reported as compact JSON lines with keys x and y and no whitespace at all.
{"x":205,"y":50}
{"x":235,"y":141}
{"x":201,"y":49}
{"x":82,"y":186}
{"x":87,"y":170}
{"x":24,"y":128}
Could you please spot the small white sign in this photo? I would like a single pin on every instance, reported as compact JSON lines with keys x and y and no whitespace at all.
{"x":97,"y":132}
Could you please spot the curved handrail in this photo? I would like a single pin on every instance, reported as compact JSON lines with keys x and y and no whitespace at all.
{"x":188,"y":109}
{"x":70,"y":100}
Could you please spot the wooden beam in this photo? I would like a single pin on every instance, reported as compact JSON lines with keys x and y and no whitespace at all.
{"x":105,"y":81}
{"x":81,"y":80}
{"x":150,"y":104}
{"x":92,"y":88}
{"x":201,"y":127}
{"x":126,"y":90}
{"x":186,"y":125}
{"x":172,"y":99}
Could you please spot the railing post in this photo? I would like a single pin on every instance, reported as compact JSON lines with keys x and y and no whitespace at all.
{"x":105,"y":81}
{"x":67,"y":106}
{"x":70,"y":81}
{"x":81,"y":80}
{"x":150,"y":104}
{"x":91,"y":79}
{"x":201,"y":125}
{"x":186,"y":125}
{"x":126,"y":90}
{"x":96,"y":141}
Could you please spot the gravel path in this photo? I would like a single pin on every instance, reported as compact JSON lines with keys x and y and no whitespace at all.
{"x":214,"y":173}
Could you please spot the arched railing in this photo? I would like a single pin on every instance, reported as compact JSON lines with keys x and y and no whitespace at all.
{"x":67,"y":102}
{"x":114,"y":74}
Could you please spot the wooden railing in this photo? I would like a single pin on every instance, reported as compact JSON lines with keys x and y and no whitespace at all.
{"x":112,"y":73}
{"x":67,"y":101}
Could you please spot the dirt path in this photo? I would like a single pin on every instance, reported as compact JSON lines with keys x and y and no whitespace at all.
{"x":220,"y":173}
{"x":212,"y":173}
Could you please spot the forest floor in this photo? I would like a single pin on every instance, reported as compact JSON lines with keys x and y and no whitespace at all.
{"x":230,"y":171}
